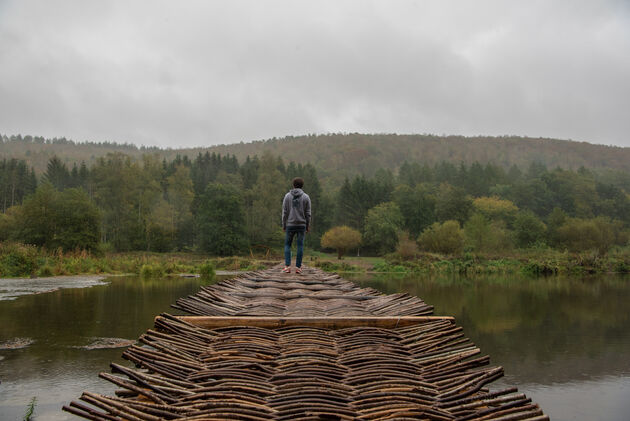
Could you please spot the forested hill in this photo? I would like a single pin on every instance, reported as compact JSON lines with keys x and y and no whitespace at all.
{"x":338,"y":155}
{"x":361,"y":153}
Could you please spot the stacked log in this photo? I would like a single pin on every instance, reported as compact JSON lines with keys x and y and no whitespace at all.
{"x":314,"y":293}
{"x":308,"y":368}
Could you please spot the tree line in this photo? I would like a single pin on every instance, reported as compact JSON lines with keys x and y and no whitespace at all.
{"x":212,"y":203}
{"x":337,"y":155}
{"x":216,"y":204}
{"x":448,"y":208}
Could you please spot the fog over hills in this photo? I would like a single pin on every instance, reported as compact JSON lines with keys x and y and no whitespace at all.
{"x":203,"y":73}
{"x":337,"y":155}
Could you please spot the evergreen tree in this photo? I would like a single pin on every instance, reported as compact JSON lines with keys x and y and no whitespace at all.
{"x":221,"y":221}
{"x":417,"y":206}
{"x":118,"y":184}
{"x":180,"y":197}
{"x":452,"y":203}
{"x":249,"y":171}
{"x":16,"y":182}
{"x":57,"y":174}
{"x":357,"y":197}
{"x":264,"y":204}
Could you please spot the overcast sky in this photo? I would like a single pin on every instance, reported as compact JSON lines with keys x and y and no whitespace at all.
{"x":198,"y":73}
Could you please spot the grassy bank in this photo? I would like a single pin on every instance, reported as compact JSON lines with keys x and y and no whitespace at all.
{"x":533,"y":262}
{"x":18,"y":260}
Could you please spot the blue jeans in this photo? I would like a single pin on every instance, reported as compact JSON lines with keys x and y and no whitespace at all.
{"x":288,"y":240}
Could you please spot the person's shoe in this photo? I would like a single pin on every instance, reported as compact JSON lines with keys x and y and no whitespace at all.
{"x":287,"y":269}
{"x":298,"y":271}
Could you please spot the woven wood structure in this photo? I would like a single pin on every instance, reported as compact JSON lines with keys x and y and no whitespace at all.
{"x":272,"y":346}
{"x":314,"y":293}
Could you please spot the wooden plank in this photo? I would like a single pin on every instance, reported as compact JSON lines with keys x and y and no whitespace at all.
{"x":311,"y":296}
{"x":213,"y":322}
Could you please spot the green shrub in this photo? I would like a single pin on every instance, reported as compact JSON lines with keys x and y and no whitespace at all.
{"x":171,"y":267}
{"x":336,"y":267}
{"x":388,"y":267}
{"x":484,"y":235}
{"x":621,"y":267}
{"x":148,"y":271}
{"x":206,"y":270}
{"x":45,"y":271}
{"x":447,"y":238}
{"x":17,"y":259}
{"x":407,"y":247}
{"x":539,"y":268}
{"x":599,"y":234}
{"x":231,"y":263}
{"x":528,"y":229}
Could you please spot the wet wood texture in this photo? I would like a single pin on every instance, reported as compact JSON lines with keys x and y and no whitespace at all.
{"x":272,"y":346}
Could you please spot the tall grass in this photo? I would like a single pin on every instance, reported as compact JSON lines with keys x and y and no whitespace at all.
{"x":19,"y":260}
{"x":206,"y":271}
{"x":30,"y":409}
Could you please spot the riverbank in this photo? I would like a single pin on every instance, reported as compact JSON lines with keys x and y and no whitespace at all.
{"x":18,"y":260}
{"x":532,"y":262}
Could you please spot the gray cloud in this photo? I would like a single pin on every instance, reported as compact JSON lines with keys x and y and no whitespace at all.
{"x":199,"y":73}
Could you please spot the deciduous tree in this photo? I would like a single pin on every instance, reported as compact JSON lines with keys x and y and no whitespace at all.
{"x":446,"y":237}
{"x":53,"y":219}
{"x":528,"y":229}
{"x":381,"y":227}
{"x":342,"y":239}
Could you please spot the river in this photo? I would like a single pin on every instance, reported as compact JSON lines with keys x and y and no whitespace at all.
{"x":563,"y":341}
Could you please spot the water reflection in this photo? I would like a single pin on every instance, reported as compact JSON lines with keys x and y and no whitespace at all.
{"x":565,"y":342}
{"x":54,"y":368}
{"x":556,"y":337}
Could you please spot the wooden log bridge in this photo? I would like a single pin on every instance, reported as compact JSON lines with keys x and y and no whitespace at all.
{"x":273,"y":346}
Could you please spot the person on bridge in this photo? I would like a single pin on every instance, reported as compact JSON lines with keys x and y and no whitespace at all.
{"x":296,"y":218}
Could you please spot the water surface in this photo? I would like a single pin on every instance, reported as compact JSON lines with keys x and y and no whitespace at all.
{"x":565,"y":342}
{"x":56,"y":368}
{"x":12,"y":288}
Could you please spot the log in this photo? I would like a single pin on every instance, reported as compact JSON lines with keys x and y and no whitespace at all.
{"x":214,"y":322}
{"x":310,"y":296}
{"x":252,"y":352}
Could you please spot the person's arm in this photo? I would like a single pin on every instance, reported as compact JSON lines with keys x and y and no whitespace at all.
{"x":307,"y":213}
{"x":285,"y":213}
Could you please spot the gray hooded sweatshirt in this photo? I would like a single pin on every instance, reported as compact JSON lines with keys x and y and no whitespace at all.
{"x":296,"y":209}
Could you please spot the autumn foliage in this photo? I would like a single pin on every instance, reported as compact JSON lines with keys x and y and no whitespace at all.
{"x":341,"y":239}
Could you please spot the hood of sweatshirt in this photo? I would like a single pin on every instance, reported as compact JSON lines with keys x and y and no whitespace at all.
{"x":296,"y":194}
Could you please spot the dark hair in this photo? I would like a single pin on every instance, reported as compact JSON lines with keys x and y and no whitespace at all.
{"x":298,"y":182}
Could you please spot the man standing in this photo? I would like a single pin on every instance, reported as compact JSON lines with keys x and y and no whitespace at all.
{"x":296,"y":217}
